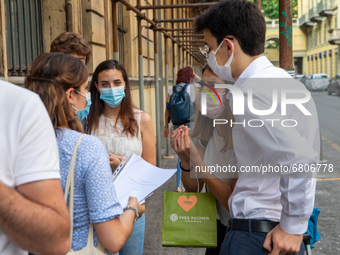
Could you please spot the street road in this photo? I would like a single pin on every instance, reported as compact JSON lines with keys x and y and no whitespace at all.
{"x":327,"y":191}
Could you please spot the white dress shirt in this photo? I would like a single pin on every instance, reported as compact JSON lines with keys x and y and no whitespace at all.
{"x":282,"y":199}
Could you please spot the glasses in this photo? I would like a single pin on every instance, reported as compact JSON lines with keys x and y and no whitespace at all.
{"x":205,"y":50}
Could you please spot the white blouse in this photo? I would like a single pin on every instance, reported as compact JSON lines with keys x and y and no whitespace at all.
{"x":114,"y":140}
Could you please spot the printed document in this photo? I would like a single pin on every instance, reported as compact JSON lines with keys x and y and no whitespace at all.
{"x":137,"y":178}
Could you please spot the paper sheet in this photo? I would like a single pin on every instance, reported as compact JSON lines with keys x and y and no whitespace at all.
{"x":139,"y":179}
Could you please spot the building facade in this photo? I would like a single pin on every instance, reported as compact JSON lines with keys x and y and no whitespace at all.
{"x":316,"y":19}
{"x":28,"y":28}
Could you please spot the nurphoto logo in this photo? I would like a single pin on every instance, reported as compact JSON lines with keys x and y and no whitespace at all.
{"x":268,"y":100}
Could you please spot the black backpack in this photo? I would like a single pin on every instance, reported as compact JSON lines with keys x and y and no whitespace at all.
{"x":181,"y":109}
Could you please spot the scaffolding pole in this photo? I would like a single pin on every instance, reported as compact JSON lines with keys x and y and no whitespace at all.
{"x":4,"y":39}
{"x":179,"y":50}
{"x":166,"y":58}
{"x":156,"y":70}
{"x":154,"y":26}
{"x":176,"y":36}
{"x":183,"y":51}
{"x":175,"y":20}
{"x":140,"y":62}
{"x":115,"y":30}
{"x":193,"y":5}
{"x":153,"y":23}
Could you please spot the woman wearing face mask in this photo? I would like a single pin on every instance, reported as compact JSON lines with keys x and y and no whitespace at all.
{"x":121,"y":127}
{"x":214,"y":147}
{"x":61,"y":80}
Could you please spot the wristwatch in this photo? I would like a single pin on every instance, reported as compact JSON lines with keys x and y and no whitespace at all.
{"x":130,"y":207}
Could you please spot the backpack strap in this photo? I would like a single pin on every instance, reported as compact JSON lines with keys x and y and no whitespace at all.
{"x":185,"y":86}
{"x":174,"y":90}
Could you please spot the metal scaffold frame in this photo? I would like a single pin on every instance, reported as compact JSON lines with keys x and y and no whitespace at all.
{"x":186,"y":45}
{"x":185,"y":40}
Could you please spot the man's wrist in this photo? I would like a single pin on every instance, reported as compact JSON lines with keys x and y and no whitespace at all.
{"x":294,"y":225}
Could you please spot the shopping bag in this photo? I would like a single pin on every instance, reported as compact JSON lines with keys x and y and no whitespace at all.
{"x":189,"y":219}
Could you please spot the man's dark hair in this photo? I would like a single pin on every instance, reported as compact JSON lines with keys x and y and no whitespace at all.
{"x":71,"y":43}
{"x":238,"y":18}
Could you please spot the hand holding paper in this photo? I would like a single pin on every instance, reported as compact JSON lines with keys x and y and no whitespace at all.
{"x":137,"y":178}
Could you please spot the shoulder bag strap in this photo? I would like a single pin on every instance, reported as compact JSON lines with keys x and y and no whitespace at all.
{"x":70,"y":186}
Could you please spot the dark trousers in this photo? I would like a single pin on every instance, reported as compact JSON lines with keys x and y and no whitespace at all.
{"x":221,"y":230}
{"x":246,"y":243}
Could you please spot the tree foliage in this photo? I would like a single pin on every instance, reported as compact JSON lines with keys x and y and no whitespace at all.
{"x":270,"y":8}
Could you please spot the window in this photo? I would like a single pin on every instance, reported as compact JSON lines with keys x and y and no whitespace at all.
{"x":121,"y":32}
{"x":323,"y":76}
{"x":319,"y":28}
{"x":336,"y":64}
{"x":307,"y":40}
{"x":23,"y":34}
{"x":331,"y":66}
{"x":316,"y":65}
{"x":315,"y":38}
{"x":325,"y":32}
{"x":311,"y":38}
{"x":336,"y":21}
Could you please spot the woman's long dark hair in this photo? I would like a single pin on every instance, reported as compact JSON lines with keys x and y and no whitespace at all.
{"x":126,"y":111}
{"x":52,"y":74}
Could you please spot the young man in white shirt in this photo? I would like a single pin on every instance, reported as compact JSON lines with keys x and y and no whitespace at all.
{"x":269,"y":214}
{"x":33,"y":213}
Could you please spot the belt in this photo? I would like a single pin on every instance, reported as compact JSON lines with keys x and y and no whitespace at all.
{"x":263,"y":226}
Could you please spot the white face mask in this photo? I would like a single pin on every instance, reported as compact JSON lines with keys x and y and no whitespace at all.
{"x":213,"y":111}
{"x":223,"y":72}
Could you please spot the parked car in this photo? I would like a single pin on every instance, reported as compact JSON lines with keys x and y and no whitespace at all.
{"x":306,"y":80}
{"x":299,"y":77}
{"x":334,"y":86}
{"x":318,"y":82}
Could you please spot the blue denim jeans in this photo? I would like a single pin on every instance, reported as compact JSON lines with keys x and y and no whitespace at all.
{"x":134,"y":245}
{"x":178,"y":173}
{"x":246,"y":243}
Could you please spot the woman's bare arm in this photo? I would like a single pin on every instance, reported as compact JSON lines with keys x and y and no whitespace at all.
{"x":148,"y":139}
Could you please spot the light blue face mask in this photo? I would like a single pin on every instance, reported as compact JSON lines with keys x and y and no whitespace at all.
{"x":82,"y":114}
{"x":112,"y":96}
